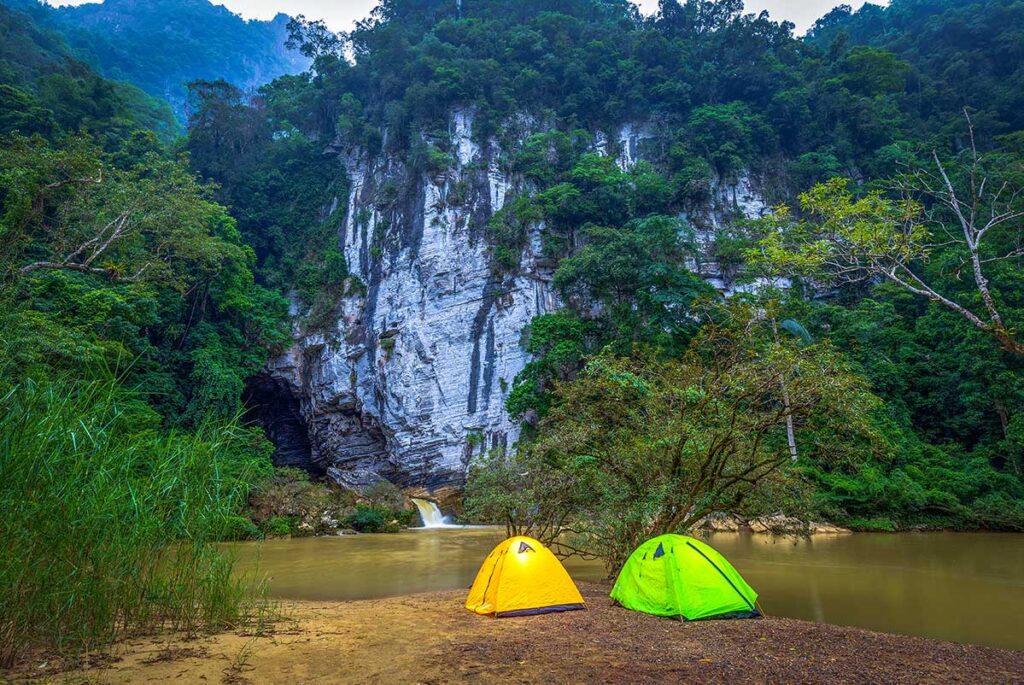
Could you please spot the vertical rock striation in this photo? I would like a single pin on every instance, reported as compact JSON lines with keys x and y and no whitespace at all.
{"x":411,"y":383}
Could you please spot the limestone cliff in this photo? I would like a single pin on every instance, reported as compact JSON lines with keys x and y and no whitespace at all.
{"x":410,"y":385}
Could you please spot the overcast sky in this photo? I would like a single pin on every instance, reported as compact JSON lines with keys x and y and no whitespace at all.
{"x":340,"y":14}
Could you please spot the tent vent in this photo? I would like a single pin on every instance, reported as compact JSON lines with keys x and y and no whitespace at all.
{"x":660,"y":552}
{"x":523,"y":547}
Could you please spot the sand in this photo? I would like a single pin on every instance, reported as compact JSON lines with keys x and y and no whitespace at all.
{"x":430,"y":638}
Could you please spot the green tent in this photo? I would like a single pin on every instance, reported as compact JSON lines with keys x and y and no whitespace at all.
{"x":675,"y":575}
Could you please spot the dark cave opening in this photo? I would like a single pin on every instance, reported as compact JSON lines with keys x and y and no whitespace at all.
{"x":271,"y":404}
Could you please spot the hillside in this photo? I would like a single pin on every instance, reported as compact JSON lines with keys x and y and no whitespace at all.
{"x":44,"y":88}
{"x":512,"y":190}
{"x":160,"y":45}
{"x":966,"y":53}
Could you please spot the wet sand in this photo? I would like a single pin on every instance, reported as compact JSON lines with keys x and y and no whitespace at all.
{"x":430,"y":638}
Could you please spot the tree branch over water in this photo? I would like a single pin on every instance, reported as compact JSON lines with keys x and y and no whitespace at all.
{"x":964,"y":211}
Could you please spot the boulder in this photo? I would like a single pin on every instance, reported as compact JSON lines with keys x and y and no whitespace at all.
{"x":722,"y":523}
{"x":819,"y":528}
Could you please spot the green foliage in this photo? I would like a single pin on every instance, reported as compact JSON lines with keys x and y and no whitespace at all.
{"x":279,"y":185}
{"x":943,"y":43}
{"x":729,"y":135}
{"x":509,"y":228}
{"x":637,"y":276}
{"x":426,"y":158}
{"x":527,"y":496}
{"x":944,"y":383}
{"x":44,"y":90}
{"x":848,"y":237}
{"x":129,"y":267}
{"x":587,"y":63}
{"x":117,"y":272}
{"x":280,"y":526}
{"x":644,"y":446}
{"x":291,"y":504}
{"x":91,"y":483}
{"x":921,"y":485}
{"x":161,"y":45}
{"x":366,"y":519}
{"x":545,"y":157}
{"x":558,"y":343}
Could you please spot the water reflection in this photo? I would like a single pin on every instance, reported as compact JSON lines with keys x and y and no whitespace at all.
{"x":956,"y":586}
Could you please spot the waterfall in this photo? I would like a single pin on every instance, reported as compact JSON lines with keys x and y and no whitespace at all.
{"x":430,"y":513}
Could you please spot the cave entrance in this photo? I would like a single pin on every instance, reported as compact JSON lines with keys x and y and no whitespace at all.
{"x":270,"y":403}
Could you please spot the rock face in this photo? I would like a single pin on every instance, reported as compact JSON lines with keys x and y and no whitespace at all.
{"x":273,"y":404}
{"x":774,"y":524}
{"x":410,"y":386}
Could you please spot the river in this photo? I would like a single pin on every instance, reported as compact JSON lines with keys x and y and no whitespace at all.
{"x":965,"y":587}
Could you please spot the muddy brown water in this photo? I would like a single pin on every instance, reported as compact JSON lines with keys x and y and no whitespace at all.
{"x":965,"y":587}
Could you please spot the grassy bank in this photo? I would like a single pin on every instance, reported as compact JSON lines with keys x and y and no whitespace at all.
{"x":107,"y":518}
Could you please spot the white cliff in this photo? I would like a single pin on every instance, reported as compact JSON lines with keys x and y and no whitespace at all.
{"x":411,"y":384}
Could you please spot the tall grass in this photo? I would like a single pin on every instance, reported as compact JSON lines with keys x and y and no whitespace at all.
{"x":106,"y":520}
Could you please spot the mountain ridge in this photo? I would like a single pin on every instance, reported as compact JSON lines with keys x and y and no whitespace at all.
{"x":160,"y":46}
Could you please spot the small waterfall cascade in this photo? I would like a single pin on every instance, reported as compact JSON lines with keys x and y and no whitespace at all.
{"x":431,"y":514}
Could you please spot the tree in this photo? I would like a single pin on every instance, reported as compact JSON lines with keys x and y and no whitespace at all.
{"x":122,"y":261}
{"x":313,"y":39}
{"x":645,"y":446}
{"x":527,"y":497}
{"x":70,"y":209}
{"x":324,"y":47}
{"x":223,"y":129}
{"x":965,"y":218}
{"x":728,"y":135}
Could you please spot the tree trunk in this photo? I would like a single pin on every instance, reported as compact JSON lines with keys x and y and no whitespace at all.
{"x":790,"y":433}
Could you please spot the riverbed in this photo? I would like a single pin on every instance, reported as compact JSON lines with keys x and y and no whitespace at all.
{"x":964,"y":587}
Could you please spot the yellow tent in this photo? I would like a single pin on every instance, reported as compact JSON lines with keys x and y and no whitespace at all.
{"x":520,"y":577}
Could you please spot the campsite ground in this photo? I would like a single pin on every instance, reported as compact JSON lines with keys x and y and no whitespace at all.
{"x":430,"y":638}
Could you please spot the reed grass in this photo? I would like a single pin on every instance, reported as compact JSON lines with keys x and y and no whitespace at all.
{"x":107,"y":520}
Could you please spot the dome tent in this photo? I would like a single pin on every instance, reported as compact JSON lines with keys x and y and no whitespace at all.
{"x":521,"y":577}
{"x":675,"y":575}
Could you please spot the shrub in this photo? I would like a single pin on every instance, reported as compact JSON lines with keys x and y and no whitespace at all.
{"x":384,"y":495}
{"x":281,"y":503}
{"x":238,"y":527}
{"x":107,"y":520}
{"x":280,"y":526}
{"x":366,"y":520}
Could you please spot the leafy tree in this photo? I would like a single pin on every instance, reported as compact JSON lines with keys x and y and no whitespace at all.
{"x":874,"y":236}
{"x":277,"y":183}
{"x":639,"y":274}
{"x":642,"y":446}
{"x":728,"y":135}
{"x":45,"y":90}
{"x":131,"y":268}
{"x":558,"y":343}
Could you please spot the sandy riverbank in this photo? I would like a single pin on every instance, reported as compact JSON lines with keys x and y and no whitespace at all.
{"x":430,"y":638}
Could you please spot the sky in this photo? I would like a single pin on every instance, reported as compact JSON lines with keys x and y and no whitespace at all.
{"x":341,"y":14}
